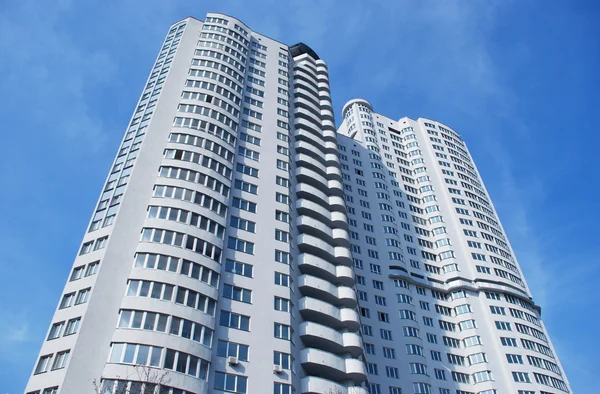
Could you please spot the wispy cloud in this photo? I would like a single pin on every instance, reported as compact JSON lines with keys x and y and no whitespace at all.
{"x":50,"y":73}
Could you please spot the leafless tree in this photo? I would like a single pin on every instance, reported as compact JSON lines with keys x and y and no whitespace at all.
{"x":143,"y":379}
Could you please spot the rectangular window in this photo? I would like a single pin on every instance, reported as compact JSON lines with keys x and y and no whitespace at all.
{"x":60,"y":361}
{"x":72,"y":326}
{"x":230,"y":382}
{"x":56,"y":330}
{"x":234,"y":320}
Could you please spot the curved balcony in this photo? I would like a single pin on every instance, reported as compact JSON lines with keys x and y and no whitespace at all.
{"x":334,"y":173}
{"x":343,"y":256}
{"x":310,"y":208}
{"x":323,"y":84}
{"x":309,"y":149}
{"x":324,"y":313}
{"x":312,"y":286}
{"x":314,"y":227}
{"x":335,"y":187}
{"x":326,"y":112}
{"x":337,"y":204}
{"x":331,"y":159}
{"x":311,"y":127}
{"x":339,"y":220}
{"x":328,"y":124}
{"x":345,"y":275}
{"x":304,"y":160}
{"x":311,"y":137}
{"x":300,"y":101}
{"x":308,"y":176}
{"x":318,"y":336}
{"x":330,"y":135}
{"x":305,"y":72}
{"x":322,"y":363}
{"x":340,"y":237}
{"x":315,"y":385}
{"x":301,"y":112}
{"x":313,"y":194}
{"x":307,"y":91}
{"x":310,"y":244}
{"x":330,"y":147}
{"x":316,"y":266}
{"x":324,"y":94}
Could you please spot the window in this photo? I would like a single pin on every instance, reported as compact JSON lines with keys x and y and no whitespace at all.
{"x":67,"y":300}
{"x":82,"y":296}
{"x":230,"y":382}
{"x":282,"y":388}
{"x":242,"y":224}
{"x":282,"y":304}
{"x":392,"y":372}
{"x":77,"y":273}
{"x":386,"y":334}
{"x":282,"y":331}
{"x":372,"y":369}
{"x":240,"y":245}
{"x":282,"y":236}
{"x":234,"y":320}
{"x":389,"y":352}
{"x":60,"y":361}
{"x":514,"y":359}
{"x":521,"y":377}
{"x":283,"y":359}
{"x":237,"y":293}
{"x":226,"y":349}
{"x":130,"y":353}
{"x":92,"y":268}
{"x":56,"y":330}
{"x":238,"y":268}
{"x":366,"y":330}
{"x":72,"y":326}
{"x":86,"y":248}
{"x":369,"y":348}
{"x":508,"y":342}
{"x":282,"y":279}
{"x":43,"y":364}
{"x":417,"y":368}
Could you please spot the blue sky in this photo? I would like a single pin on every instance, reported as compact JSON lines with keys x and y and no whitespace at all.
{"x":517,"y":78}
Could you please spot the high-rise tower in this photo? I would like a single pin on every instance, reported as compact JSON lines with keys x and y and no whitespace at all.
{"x":444,"y":306}
{"x":241,"y":245}
{"x":218,"y":251}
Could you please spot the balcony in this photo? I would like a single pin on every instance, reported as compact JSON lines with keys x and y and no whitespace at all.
{"x":306,"y":175}
{"x":334,"y":172}
{"x":324,"y":290}
{"x":337,"y":204}
{"x":315,"y":385}
{"x":323,"y":313}
{"x":335,"y":187}
{"x":314,"y":227}
{"x":339,"y":220}
{"x":315,"y":266}
{"x":306,"y":161}
{"x":310,"y":208}
{"x":343,"y":256}
{"x":318,"y":336}
{"x":341,"y":237}
{"x":313,"y":194}
{"x":308,"y":148}
{"x":329,"y":365}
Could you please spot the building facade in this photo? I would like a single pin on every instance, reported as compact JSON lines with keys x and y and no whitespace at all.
{"x":226,"y":252}
{"x":443,"y":303}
